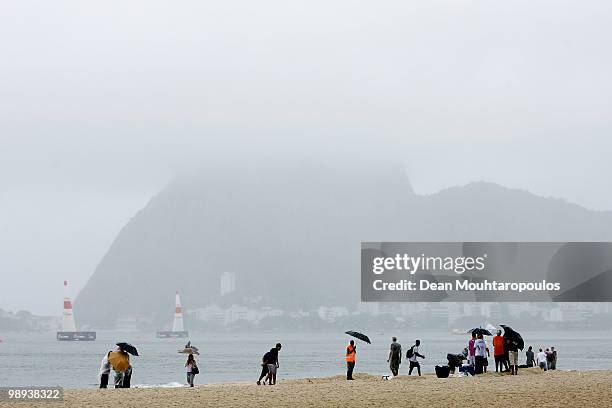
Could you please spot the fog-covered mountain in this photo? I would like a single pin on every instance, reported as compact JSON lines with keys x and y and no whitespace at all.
{"x":291,"y":235}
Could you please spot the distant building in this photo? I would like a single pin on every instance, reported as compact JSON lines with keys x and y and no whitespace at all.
{"x":228,"y":283}
{"x":330,"y":314}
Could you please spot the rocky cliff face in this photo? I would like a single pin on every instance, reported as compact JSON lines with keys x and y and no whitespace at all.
{"x":292,"y":235}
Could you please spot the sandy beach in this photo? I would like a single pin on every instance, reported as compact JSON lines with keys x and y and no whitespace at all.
{"x":531,"y":388}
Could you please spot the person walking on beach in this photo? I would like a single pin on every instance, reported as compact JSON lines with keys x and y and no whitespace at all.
{"x":499,"y":353}
{"x":471,"y":350}
{"x":412,"y":356}
{"x":530,"y":357}
{"x":105,"y":369}
{"x":351,"y":354}
{"x":192,"y":369}
{"x":395,"y":356}
{"x":264,"y":367}
{"x":481,"y":351}
{"x":541,"y":360}
{"x":272,"y":361}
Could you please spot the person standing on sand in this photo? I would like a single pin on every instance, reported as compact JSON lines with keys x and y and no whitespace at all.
{"x":105,"y":369}
{"x":481,"y":351}
{"x":412,"y":355}
{"x":471,"y":350}
{"x":553,"y":361}
{"x":530,"y":357}
{"x":351,"y":354}
{"x":120,"y":375}
{"x":498,"y":352}
{"x":513,"y":357}
{"x":541,"y":360}
{"x":395,"y":356}
{"x":192,"y":369}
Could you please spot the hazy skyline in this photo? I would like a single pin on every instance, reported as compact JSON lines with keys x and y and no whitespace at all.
{"x":103,"y":104}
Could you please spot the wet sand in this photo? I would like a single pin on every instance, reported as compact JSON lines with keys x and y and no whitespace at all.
{"x":531,"y":388}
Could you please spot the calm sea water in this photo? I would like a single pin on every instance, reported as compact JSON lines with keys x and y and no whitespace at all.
{"x":39,"y":360}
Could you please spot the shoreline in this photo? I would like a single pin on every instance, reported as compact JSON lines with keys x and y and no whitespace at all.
{"x":531,"y":387}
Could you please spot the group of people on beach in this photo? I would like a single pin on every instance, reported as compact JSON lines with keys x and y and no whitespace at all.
{"x":477,"y":352}
{"x":123,"y":369}
{"x":505,"y":354}
{"x":545,"y":359}
{"x":394,"y":358}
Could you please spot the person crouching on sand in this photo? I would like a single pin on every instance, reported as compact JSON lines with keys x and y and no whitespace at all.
{"x":192,"y":369}
{"x":351,"y":354}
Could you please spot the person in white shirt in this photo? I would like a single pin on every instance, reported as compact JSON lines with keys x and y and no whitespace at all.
{"x":481,"y":351}
{"x":105,"y":368}
{"x":541,"y":360}
{"x":412,"y":355}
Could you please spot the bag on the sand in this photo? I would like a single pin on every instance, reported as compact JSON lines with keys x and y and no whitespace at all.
{"x":442,"y":371}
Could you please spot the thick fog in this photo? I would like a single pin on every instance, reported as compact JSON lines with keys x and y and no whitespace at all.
{"x":102,"y":104}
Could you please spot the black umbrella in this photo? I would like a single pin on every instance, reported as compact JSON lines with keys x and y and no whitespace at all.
{"x":513,"y":337}
{"x":359,"y":336}
{"x":128,"y":348}
{"x":480,"y":330}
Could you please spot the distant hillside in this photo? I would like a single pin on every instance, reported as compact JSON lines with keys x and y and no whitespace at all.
{"x":292,"y":235}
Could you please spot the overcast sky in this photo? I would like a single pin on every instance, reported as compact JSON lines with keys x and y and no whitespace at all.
{"x":102,"y":103}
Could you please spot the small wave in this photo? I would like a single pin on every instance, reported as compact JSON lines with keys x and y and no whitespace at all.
{"x":167,"y":385}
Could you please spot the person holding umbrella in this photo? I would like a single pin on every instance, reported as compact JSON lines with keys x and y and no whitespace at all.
{"x":513,"y":342}
{"x":351,"y":354}
{"x":120,"y":361}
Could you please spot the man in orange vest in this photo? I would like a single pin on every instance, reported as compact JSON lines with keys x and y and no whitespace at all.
{"x":351,"y":352}
{"x":499,"y":353}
